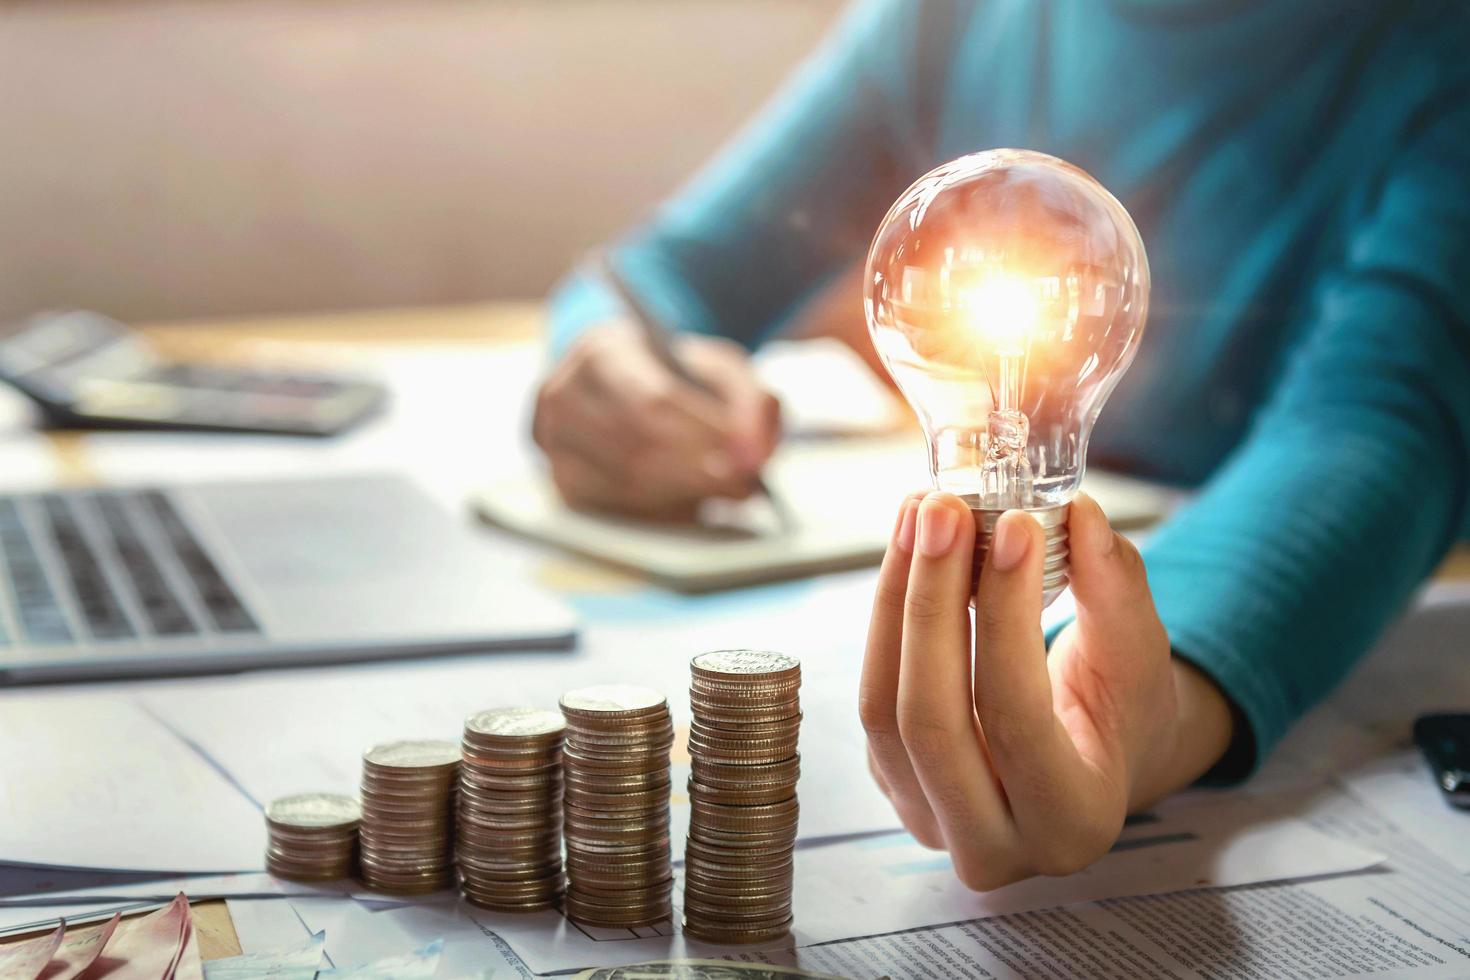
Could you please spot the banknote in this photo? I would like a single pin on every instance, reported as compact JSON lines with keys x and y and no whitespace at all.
{"x":80,"y":949}
{"x":25,"y":961}
{"x":149,"y":948}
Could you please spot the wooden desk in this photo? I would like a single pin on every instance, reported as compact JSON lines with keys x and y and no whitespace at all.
{"x":491,"y":323}
{"x":231,"y":339}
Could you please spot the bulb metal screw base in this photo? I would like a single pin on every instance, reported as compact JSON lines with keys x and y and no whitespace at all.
{"x":1053,"y":521}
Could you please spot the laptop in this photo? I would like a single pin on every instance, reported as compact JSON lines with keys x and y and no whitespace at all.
{"x":117,"y":582}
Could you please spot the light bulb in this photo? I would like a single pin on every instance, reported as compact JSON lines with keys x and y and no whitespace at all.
{"x":1006,"y":293}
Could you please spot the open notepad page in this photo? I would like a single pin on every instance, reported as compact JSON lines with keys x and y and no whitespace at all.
{"x":843,"y":493}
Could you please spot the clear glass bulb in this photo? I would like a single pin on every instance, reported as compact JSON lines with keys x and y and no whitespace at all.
{"x":1006,"y":293}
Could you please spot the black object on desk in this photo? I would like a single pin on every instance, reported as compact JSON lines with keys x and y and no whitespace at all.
{"x":86,"y":370}
{"x":1445,"y":741}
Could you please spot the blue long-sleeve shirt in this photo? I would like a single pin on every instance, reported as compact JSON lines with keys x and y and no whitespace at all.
{"x":1300,"y":172}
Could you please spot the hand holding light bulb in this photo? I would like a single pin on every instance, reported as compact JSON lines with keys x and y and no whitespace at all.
{"x":1016,"y":762}
{"x":1006,"y":293}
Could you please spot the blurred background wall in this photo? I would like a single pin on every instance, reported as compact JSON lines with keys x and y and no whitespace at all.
{"x":212,"y":157}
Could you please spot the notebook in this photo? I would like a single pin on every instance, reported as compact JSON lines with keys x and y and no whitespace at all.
{"x":844,"y":494}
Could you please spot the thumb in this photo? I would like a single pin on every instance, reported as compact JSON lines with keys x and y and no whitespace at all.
{"x":1115,"y":609}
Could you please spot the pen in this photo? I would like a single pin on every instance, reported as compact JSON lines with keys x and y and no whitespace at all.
{"x":661,"y":342}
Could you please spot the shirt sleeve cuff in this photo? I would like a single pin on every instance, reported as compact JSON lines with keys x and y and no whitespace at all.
{"x":1256,"y":709}
{"x":577,"y":303}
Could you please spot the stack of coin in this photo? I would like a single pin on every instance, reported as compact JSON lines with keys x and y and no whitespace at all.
{"x":742,"y":794}
{"x":508,"y":826}
{"x":616,"y":770}
{"x":407,"y":813}
{"x":312,"y":837}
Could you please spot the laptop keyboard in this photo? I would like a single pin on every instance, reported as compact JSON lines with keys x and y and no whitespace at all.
{"x":36,"y":605}
{"x":101,"y":609}
{"x":124,"y":565}
{"x":220,"y":601}
{"x":161,"y":607}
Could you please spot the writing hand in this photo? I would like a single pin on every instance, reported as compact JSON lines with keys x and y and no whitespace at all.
{"x":622,"y":433}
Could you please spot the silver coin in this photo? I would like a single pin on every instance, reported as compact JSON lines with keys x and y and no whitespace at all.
{"x":516,"y":722}
{"x":314,"y":810}
{"x":612,"y":698}
{"x":413,"y":754}
{"x":745,"y":662}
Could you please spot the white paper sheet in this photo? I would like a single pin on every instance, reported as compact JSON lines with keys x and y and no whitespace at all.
{"x":96,"y":782}
{"x":825,"y":388}
{"x":27,"y":461}
{"x":265,"y":924}
{"x":417,"y":964}
{"x":1410,"y":918}
{"x":1184,"y":844}
{"x":886,"y":884}
{"x":1400,"y":787}
{"x":354,"y":934}
{"x":300,"y":961}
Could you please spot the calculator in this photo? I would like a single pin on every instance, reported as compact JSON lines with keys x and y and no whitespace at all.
{"x":86,"y":370}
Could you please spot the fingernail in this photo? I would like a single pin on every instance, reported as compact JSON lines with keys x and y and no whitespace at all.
{"x":748,"y":453}
{"x":937,"y":525}
{"x":1008,"y":546}
{"x":908,"y":519}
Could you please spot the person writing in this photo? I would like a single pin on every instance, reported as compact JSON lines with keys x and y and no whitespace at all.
{"x":1298,"y":172}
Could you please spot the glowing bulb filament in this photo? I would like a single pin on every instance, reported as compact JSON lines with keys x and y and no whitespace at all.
{"x":1002,"y":311}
